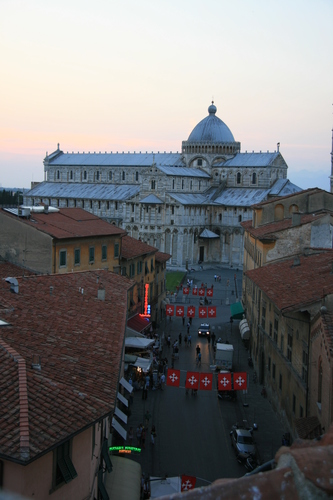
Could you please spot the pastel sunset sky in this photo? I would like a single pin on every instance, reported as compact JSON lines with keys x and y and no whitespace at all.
{"x":132,"y":75}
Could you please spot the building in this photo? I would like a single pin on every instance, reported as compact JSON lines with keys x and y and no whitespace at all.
{"x":61,"y":365}
{"x":50,"y":240}
{"x":189,"y":205}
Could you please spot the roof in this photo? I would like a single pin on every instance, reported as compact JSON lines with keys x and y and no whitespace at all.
{"x":114,"y":159}
{"x":13,"y":270}
{"x":184,"y":172}
{"x":242,"y":197}
{"x":70,"y":223}
{"x":253,"y":159}
{"x":162,"y":257}
{"x":152,"y":200}
{"x":290,"y":285}
{"x":211,"y":129}
{"x":206,"y":233}
{"x":131,"y":248}
{"x":138,"y":323}
{"x":75,"y":341}
{"x":269,"y":230}
{"x":79,"y":190}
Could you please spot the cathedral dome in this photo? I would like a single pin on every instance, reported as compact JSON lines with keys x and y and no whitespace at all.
{"x":211,"y":129}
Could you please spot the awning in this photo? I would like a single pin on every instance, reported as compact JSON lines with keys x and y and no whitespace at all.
{"x":116,"y":425}
{"x":161,"y":487}
{"x":143,"y":363}
{"x":124,"y":382}
{"x":122,"y":399}
{"x":237,"y":310}
{"x":208,"y":234}
{"x":120,"y":414}
{"x":139,"y":342}
{"x":124,"y":482}
{"x":138,"y":323}
{"x":244,"y":329}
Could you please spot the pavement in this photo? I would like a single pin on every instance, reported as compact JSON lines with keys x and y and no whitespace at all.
{"x":193,"y":432}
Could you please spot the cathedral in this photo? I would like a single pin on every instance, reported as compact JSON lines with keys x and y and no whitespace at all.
{"x":189,"y":204}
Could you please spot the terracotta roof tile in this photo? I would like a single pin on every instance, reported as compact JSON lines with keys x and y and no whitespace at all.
{"x":79,"y":340}
{"x":162,"y":257}
{"x":131,"y":248}
{"x":69,"y":223}
{"x":291,"y":286}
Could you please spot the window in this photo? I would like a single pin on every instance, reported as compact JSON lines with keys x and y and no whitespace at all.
{"x":254,"y":178}
{"x":239,"y":218}
{"x":199,"y":162}
{"x":91,"y":204}
{"x":273,"y":371}
{"x":110,"y":176}
{"x":182,"y":183}
{"x":280,"y":382}
{"x":104,"y":252}
{"x":133,"y":207}
{"x":136,"y":176}
{"x":294,"y":404}
{"x":139,"y":267}
{"x":173,"y":183}
{"x":71,"y":175}
{"x":152,"y":265}
{"x":91,"y":255}
{"x":123,"y":271}
{"x":63,"y":468}
{"x":276,"y":329}
{"x":305,"y":367}
{"x":269,"y":364}
{"x":58,"y":174}
{"x":270,"y":328}
{"x":132,"y":270}
{"x":99,"y":205}
{"x":239,"y":178}
{"x":289,"y":347}
{"x":116,"y":205}
{"x":85,"y":175}
{"x":97,"y":175}
{"x":116,"y":249}
{"x":172,"y":210}
{"x":153,"y":184}
{"x":77,"y":257}
{"x":123,"y":175}
{"x":263,"y":315}
{"x":63,"y":258}
{"x":282,"y":343}
{"x":108,"y":205}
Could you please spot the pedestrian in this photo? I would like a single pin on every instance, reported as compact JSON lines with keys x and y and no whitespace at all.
{"x":162,"y":380}
{"x":197,"y":349}
{"x":183,"y":320}
{"x":215,"y":277}
{"x":153,"y":434}
{"x":138,"y":434}
{"x":143,"y":437}
{"x":144,"y":391}
{"x":213,"y":339}
{"x":191,"y":320}
{"x":180,"y":339}
{"x":189,"y":339}
{"x":208,"y":340}
{"x":147,"y":418}
{"x":169,"y":340}
{"x":188,"y":327}
{"x":199,"y":359}
{"x":130,"y":436}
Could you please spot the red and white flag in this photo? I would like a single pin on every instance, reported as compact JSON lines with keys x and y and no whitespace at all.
{"x":206,"y":381}
{"x":240,"y":381}
{"x":180,"y":311}
{"x":224,"y":382}
{"x":191,"y":312}
{"x":188,"y":483}
{"x":194,"y":290}
{"x":210,"y":292}
{"x":211,"y":311}
{"x":202,"y":312}
{"x":186,"y":290}
{"x":173,"y":377}
{"x":192,"y":380}
{"x":169,"y":310}
{"x":201,"y":292}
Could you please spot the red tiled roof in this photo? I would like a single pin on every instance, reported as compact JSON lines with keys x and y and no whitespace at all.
{"x":12,"y":270}
{"x":79,"y":341}
{"x":138,"y":323}
{"x":131,"y":248}
{"x":268,"y":230}
{"x":70,"y":223}
{"x":291,"y":286}
{"x":162,"y":257}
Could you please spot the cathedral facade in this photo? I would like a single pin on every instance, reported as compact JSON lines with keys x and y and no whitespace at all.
{"x":189,"y":204}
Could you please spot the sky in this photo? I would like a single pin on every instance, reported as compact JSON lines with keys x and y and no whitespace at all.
{"x":129,"y":75}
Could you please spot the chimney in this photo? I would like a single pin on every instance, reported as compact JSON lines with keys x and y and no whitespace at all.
{"x":297,"y":261}
{"x":46,"y":209}
{"x":36,"y":362}
{"x":101,"y":294}
{"x":14,"y":286}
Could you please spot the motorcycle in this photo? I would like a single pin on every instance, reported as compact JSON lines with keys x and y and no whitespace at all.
{"x":251,"y":462}
{"x":229,"y":395}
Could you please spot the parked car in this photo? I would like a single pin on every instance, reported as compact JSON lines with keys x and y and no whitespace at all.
{"x":242,"y":441}
{"x":204,"y":329}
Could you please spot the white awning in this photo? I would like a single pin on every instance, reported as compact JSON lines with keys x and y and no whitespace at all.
{"x":208,"y":234}
{"x":244,"y":329}
{"x":122,"y":399}
{"x":137,"y":342}
{"x":116,"y":425}
{"x":120,"y":414}
{"x":126,"y":385}
{"x":162,"y":487}
{"x":143,"y":363}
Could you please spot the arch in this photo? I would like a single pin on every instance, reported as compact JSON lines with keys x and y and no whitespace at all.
{"x":278,"y":212}
{"x":293,"y":209}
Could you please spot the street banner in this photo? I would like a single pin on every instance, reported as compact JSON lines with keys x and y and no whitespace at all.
{"x":192,"y":380}
{"x":180,"y":311}
{"x":201,"y":292}
{"x":240,"y":381}
{"x":224,"y":382}
{"x":169,"y":310}
{"x":202,"y":312}
{"x":211,"y":311}
{"x":206,"y":381}
{"x":186,"y":290}
{"x":191,"y":311}
{"x":188,"y":483}
{"x":173,"y":377}
{"x":210,"y":292}
{"x":194,"y":290}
